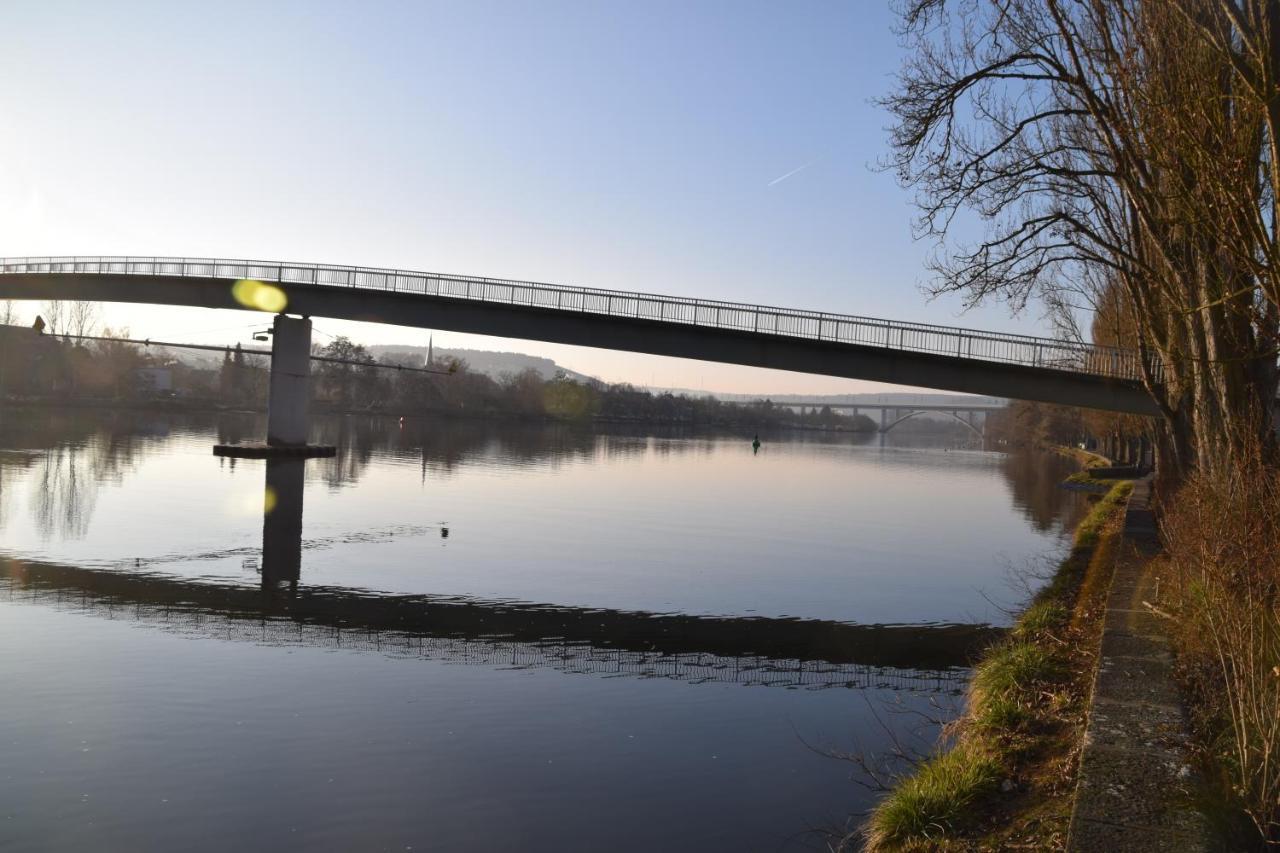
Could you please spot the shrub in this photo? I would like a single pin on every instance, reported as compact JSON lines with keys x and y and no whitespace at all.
{"x":1222,"y":535}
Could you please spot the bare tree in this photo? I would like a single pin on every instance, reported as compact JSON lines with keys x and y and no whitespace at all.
{"x":1106,"y":144}
{"x":54,"y":313}
{"x":82,"y":317}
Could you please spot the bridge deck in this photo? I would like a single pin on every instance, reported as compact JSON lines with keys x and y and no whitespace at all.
{"x":807,"y":341}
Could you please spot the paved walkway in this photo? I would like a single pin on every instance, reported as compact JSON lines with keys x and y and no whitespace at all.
{"x":1136,"y":779}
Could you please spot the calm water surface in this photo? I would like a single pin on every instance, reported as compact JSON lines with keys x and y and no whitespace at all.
{"x":459,"y":636}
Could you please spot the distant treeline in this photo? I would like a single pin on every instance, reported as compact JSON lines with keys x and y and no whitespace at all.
{"x":1122,"y":438}
{"x":48,"y":367}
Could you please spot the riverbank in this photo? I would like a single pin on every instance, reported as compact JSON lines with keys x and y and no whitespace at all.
{"x":1006,"y":772}
{"x":179,"y":405}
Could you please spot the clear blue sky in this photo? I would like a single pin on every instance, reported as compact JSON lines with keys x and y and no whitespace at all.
{"x":619,"y":145}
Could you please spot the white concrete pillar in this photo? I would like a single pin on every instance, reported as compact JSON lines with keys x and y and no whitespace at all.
{"x":289,"y":406}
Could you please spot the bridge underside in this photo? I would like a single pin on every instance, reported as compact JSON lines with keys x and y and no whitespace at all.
{"x":778,"y":352}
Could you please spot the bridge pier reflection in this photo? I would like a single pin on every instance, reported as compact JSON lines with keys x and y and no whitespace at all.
{"x":282,"y":523}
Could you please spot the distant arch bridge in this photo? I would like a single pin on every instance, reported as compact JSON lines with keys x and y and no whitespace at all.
{"x":978,"y":430}
{"x":896,"y":409}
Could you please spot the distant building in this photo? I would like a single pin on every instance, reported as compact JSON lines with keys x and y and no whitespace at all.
{"x":154,"y":380}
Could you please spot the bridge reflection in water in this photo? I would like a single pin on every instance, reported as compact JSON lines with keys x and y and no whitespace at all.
{"x":805,"y":653}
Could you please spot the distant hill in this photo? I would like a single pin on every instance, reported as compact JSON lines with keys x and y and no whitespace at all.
{"x":488,"y":362}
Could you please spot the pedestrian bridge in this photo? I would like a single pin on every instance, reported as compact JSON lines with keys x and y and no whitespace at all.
{"x":815,"y":342}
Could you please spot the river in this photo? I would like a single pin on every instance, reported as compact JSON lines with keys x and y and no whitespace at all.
{"x":465,"y":635}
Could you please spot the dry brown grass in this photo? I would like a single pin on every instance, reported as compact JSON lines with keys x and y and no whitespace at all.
{"x":1222,"y":535}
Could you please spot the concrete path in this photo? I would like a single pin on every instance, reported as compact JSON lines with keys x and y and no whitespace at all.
{"x":1136,"y":780}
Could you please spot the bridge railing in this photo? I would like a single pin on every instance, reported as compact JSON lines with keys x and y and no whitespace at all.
{"x":1025,"y":350}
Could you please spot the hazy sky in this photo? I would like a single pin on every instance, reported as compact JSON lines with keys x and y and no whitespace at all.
{"x":721,"y":150}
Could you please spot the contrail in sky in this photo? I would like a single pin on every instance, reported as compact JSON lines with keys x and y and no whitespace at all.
{"x":794,"y":171}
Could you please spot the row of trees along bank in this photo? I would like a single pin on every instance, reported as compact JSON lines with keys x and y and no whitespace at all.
{"x":1120,"y":160}
{"x":1122,"y":156}
{"x":1121,"y":438}
{"x":50,"y":367}
{"x":528,"y":394}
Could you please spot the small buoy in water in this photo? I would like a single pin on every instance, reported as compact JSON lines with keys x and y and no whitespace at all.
{"x":755,"y":444}
{"x":444,"y":533}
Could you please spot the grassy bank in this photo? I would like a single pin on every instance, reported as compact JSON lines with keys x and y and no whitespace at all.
{"x":1005,"y":772}
{"x":1087,"y":458}
{"x":1086,"y":479}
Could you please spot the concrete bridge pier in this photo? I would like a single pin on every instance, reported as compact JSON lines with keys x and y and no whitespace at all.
{"x":289,"y":403}
{"x":289,"y":398}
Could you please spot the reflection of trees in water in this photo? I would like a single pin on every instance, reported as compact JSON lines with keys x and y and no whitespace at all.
{"x":355,"y":438}
{"x":68,"y":476}
{"x":113,"y":439}
{"x":13,"y":465}
{"x":65,"y":491}
{"x":234,"y":428}
{"x":1034,"y":480}
{"x":442,"y":447}
{"x":446,"y":448}
{"x":83,"y":448}
{"x":72,"y":452}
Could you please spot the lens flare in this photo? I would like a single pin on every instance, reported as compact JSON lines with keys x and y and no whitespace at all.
{"x":269,"y":500}
{"x":259,"y":295}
